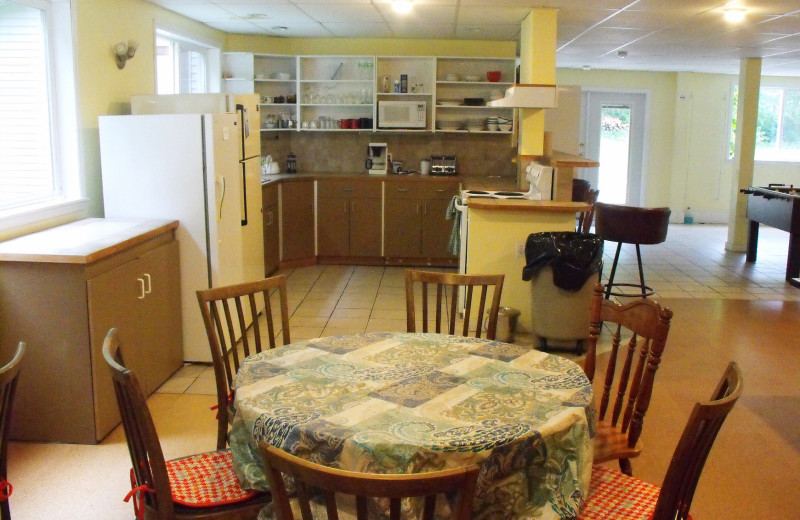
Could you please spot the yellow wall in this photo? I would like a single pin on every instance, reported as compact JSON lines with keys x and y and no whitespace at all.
{"x":371,"y":46}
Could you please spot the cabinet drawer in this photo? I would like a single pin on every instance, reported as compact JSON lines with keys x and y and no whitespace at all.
{"x":269,"y":194}
{"x":439,"y":191}
{"x":402,"y":190}
{"x":342,"y":188}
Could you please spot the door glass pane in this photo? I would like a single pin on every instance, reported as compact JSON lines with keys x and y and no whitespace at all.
{"x":790,"y":141}
{"x":615,"y":125}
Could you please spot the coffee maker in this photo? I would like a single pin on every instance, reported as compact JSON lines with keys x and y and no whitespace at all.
{"x":377,"y":158}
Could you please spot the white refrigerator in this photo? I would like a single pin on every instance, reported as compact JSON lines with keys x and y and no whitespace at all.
{"x":186,"y":167}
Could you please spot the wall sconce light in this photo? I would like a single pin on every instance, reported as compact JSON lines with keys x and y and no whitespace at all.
{"x":123,"y":52}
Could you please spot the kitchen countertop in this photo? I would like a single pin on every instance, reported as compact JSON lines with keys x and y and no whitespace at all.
{"x":527,"y":205}
{"x":83,"y":241}
{"x":469,"y":182}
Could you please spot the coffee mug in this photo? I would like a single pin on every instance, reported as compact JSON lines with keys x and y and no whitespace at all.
{"x":353,"y":123}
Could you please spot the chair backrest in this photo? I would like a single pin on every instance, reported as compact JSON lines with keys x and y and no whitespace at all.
{"x":692,"y":451}
{"x":454,"y":281}
{"x":586,"y":218}
{"x":644,"y":324}
{"x":631,"y":224}
{"x":9,"y":375}
{"x":227,"y":313}
{"x":308,"y":475}
{"x":147,"y":458}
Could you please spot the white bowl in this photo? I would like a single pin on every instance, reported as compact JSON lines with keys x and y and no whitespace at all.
{"x":472,"y":77}
{"x":451,"y":77}
{"x":504,"y":127}
{"x":280,"y":75}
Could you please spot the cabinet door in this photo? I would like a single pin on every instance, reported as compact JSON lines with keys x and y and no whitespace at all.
{"x":159,"y":320}
{"x":365,"y":227}
{"x":402,"y":228}
{"x":436,"y":229}
{"x":333,"y":228}
{"x":115,"y":298}
{"x":271,"y":239}
{"x":297,"y":219}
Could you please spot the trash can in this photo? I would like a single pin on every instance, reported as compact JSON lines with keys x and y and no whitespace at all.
{"x":506,"y":324}
{"x":563,"y":268}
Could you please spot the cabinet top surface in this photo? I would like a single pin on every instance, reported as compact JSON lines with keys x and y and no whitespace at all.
{"x":358,"y":175}
{"x":83,"y":241}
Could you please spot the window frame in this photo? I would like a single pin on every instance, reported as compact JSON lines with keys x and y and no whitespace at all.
{"x":67,"y":197}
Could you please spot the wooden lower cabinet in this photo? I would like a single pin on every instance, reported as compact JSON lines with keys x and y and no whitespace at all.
{"x":271,"y":222}
{"x":297,"y":220}
{"x":333,"y":227}
{"x":416,"y":226}
{"x":365,"y":227}
{"x":63,"y":306}
{"x":348,"y":218}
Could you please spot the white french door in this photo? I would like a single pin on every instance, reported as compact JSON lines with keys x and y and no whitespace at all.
{"x":614,"y":134}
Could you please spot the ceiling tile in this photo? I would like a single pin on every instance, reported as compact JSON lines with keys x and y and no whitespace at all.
{"x":309,"y":30}
{"x":584,"y":17}
{"x":488,"y":32}
{"x":342,"y":12}
{"x":500,"y":15}
{"x":277,"y":14}
{"x":608,"y":35}
{"x":201,"y":11}
{"x":428,"y":14}
{"x":360,"y":30}
{"x":432,"y":31}
{"x":237,"y":27}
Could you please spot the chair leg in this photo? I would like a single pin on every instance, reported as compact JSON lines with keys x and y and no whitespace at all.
{"x":641,"y":272}
{"x":613,"y":270}
{"x":625,"y":467}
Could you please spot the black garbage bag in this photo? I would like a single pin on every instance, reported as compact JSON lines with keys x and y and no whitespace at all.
{"x":573,"y":256}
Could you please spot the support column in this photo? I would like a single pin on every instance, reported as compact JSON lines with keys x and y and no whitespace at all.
{"x":537,"y":66}
{"x":744,"y":152}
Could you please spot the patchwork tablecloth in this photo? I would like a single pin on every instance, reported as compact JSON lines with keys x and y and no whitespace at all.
{"x":410,"y":403}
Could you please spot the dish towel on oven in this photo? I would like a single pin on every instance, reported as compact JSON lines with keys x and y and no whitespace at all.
{"x":452,"y":213}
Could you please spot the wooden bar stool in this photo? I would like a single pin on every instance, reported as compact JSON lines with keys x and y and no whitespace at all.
{"x":630,"y":225}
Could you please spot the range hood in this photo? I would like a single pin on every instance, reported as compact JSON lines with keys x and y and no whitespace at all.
{"x":527,"y":96}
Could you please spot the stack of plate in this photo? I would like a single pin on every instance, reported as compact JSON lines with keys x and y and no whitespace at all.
{"x":491,"y":123}
{"x":504,"y":124}
{"x":448,"y":125}
{"x":475,"y":125}
{"x":451,"y":77}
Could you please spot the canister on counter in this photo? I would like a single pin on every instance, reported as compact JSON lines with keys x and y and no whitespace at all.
{"x":403,"y":83}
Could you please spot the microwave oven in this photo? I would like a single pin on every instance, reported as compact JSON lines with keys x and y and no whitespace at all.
{"x":401,"y":114}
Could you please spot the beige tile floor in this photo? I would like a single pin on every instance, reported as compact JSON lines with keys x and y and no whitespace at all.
{"x":724,"y":309}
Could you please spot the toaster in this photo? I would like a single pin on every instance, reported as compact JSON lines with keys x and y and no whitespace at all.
{"x":443,"y":165}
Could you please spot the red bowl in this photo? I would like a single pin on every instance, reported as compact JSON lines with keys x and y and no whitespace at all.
{"x":493,"y":75}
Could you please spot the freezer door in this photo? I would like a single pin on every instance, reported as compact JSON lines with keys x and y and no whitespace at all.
{"x":251,"y":129}
{"x":253,"y":232}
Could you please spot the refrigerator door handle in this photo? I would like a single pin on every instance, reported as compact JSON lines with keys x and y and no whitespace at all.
{"x":221,"y":182}
{"x":245,"y":134}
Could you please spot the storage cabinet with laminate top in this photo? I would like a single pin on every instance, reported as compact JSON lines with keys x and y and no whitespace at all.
{"x":61,"y":290}
{"x":349,"y":218}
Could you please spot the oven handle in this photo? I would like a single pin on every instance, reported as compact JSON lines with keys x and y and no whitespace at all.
{"x":460,"y":207}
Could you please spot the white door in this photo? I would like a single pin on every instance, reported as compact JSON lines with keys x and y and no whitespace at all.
{"x":614,"y":135}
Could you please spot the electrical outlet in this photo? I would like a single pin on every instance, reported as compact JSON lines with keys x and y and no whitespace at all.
{"x":520,"y":249}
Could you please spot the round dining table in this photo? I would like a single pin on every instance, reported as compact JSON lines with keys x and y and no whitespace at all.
{"x":399,"y":402}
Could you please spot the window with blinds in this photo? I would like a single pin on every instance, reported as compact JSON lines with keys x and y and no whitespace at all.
{"x":26,"y":162}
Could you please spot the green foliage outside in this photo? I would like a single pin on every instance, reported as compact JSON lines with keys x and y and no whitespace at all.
{"x":778,"y":126}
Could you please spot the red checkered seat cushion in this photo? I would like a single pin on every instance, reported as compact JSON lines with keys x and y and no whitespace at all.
{"x":615,"y":496}
{"x":205,"y":480}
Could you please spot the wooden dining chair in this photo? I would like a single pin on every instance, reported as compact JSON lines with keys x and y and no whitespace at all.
{"x":309,"y":476}
{"x":641,"y":326}
{"x":454,"y":281}
{"x":226,"y":313}
{"x":201,"y":486}
{"x":9,"y":375}
{"x":586,"y":218}
{"x":614,"y":496}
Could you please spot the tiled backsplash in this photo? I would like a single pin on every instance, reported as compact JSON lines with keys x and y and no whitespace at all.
{"x":477,"y":154}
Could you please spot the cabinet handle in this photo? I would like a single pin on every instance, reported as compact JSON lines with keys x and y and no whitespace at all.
{"x":141,"y":289}
{"x":149,"y":288}
{"x":441,"y":190}
{"x":425,"y":208}
{"x":348,"y":189}
{"x":401,"y":189}
{"x":269,"y":220}
{"x":417,"y":208}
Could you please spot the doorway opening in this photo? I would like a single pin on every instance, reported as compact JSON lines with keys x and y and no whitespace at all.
{"x":615,"y":136}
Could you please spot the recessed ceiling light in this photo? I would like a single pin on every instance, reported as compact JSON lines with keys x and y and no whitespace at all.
{"x":279,"y":28}
{"x":734,"y":14}
{"x":255,"y":16}
{"x":402,"y":6}
{"x":587,"y":67}
{"x":622,"y":54}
